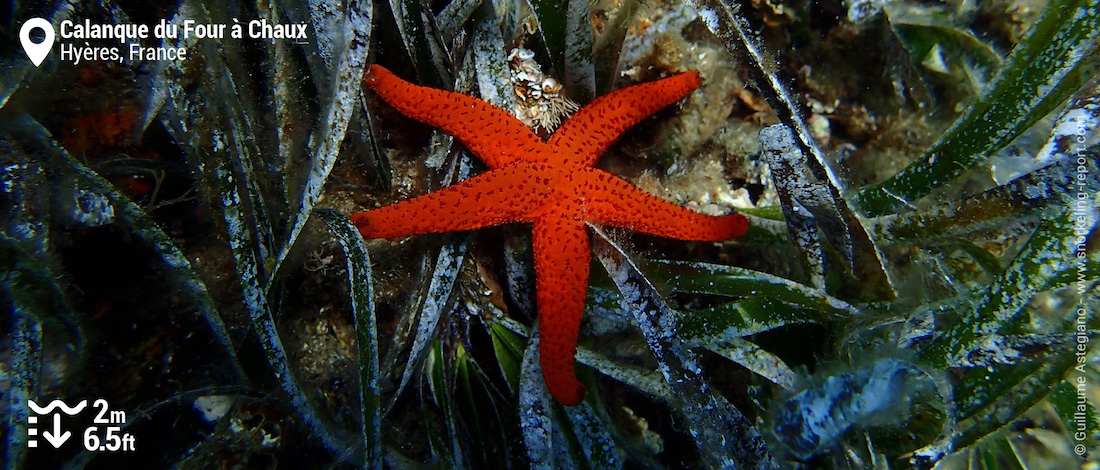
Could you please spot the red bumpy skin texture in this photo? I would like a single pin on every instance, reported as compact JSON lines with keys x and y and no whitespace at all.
{"x":552,"y":185}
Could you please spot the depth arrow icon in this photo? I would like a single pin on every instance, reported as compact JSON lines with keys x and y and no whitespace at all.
{"x":57,"y":438}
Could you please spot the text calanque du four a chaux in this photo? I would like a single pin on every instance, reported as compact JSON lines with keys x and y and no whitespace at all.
{"x":131,"y":34}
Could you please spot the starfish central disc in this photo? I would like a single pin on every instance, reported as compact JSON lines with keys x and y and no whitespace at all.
{"x":552,"y":185}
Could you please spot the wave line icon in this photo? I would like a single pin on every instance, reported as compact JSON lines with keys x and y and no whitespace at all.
{"x":57,"y":404}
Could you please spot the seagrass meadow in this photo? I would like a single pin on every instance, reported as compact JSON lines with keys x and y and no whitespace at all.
{"x":917,"y":286}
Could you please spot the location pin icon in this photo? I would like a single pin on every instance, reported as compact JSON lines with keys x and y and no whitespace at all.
{"x":36,"y":52}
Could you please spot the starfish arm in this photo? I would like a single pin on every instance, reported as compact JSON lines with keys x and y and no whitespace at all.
{"x":491,"y":133}
{"x":561,"y":282}
{"x":609,"y":200}
{"x":491,"y":198}
{"x":589,"y":132}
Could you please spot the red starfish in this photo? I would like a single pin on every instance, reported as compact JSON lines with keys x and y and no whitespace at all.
{"x":552,"y":185}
